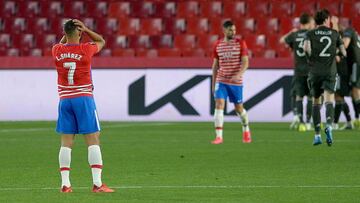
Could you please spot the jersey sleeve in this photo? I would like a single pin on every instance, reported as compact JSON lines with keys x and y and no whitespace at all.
{"x":53,"y":49}
{"x":243,"y":49}
{"x":290,"y":40}
{"x":215,"y":54}
{"x":90,"y":48}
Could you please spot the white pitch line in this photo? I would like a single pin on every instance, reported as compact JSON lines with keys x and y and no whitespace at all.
{"x":104,"y":126}
{"x":195,"y":187}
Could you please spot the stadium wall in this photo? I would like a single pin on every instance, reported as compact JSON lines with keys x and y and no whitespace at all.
{"x":135,"y":89}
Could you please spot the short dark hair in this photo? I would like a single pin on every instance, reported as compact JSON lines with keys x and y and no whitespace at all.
{"x":69,"y":27}
{"x":305,"y":18}
{"x":227,"y":24}
{"x":321,"y":16}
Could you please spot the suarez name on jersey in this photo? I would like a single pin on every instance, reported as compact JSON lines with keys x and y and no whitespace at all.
{"x":229,"y":55}
{"x":73,"y":64}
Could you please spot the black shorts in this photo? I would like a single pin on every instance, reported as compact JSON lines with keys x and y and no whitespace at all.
{"x":355,"y":75}
{"x":318,"y":84}
{"x":301,"y":87}
{"x":343,"y":87}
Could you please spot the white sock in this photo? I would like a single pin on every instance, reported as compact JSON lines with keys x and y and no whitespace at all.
{"x":95,"y":161}
{"x":244,"y":119}
{"x":64,"y":162}
{"x":318,"y":135}
{"x":219,"y":122}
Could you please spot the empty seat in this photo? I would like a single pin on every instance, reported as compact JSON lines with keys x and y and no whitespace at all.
{"x":272,"y":41}
{"x":350,"y":9}
{"x":149,"y":53}
{"x":185,"y":41}
{"x":164,"y":9}
{"x":211,"y":9}
{"x":35,"y":52}
{"x":97,"y":9}
{"x":207,"y":41}
{"x":304,"y":6}
{"x":165,"y":52}
{"x":19,"y":25}
{"x":129,"y":26}
{"x":107,"y":26}
{"x":123,"y":52}
{"x":187,"y":8}
{"x":5,"y":41}
{"x":197,"y":26}
{"x":35,"y":25}
{"x":332,"y":6}
{"x":234,"y":9}
{"x":151,"y":26}
{"x":119,"y":9}
{"x":138,"y":41}
{"x":105,"y":53}
{"x":45,"y":41}
{"x":174,"y":26}
{"x":245,"y":26}
{"x":269,"y":53}
{"x":267,"y":25}
{"x":193,"y":52}
{"x":258,"y":8}
{"x":74,"y":9}
{"x":8,"y":9}
{"x":161,"y":41}
{"x":28,"y":9}
{"x":283,"y":9}
{"x":255,"y":42}
{"x":13,"y":52}
{"x":142,"y":9}
{"x":52,"y":9}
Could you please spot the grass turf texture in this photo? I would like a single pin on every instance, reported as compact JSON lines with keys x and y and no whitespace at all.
{"x":175,"y":162}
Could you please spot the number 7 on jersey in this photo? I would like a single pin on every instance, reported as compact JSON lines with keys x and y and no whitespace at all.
{"x":71,"y":66}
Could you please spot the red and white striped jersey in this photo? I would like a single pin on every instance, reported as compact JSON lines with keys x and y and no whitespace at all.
{"x":229,"y":55}
{"x":73,"y":65}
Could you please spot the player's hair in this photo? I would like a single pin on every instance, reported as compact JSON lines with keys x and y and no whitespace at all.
{"x":305,"y":18}
{"x":321,"y":16}
{"x":69,"y":27}
{"x":228,"y":24}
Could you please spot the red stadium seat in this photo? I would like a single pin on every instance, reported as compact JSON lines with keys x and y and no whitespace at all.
{"x":47,"y":52}
{"x":28,"y":9}
{"x":142,"y":9}
{"x":97,"y":9}
{"x":107,"y":26}
{"x":52,"y":9}
{"x":35,"y":52}
{"x":286,"y":24}
{"x":234,"y":9}
{"x":269,"y":53}
{"x":174,"y":26}
{"x":45,"y":41}
{"x":304,"y":6}
{"x":123,"y":52}
{"x":161,"y":41}
{"x":258,"y":8}
{"x":197,"y":26}
{"x":164,"y":9}
{"x":273,"y":41}
{"x":283,"y":52}
{"x":215,"y":26}
{"x":13,"y":52}
{"x":332,"y":6}
{"x":149,"y":53}
{"x":151,"y":26}
{"x":5,"y":41}
{"x":211,"y":9}
{"x":105,"y":53}
{"x":193,"y":52}
{"x":255,"y":42}
{"x":8,"y":9}
{"x":187,"y":9}
{"x":350,"y":9}
{"x":19,"y":25}
{"x":164,"y":52}
{"x":207,"y":42}
{"x":120,"y":42}
{"x":283,"y":9}
{"x":74,"y":9}
{"x":129,"y":26}
{"x":119,"y":9}
{"x":139,"y":41}
{"x":35,"y":25}
{"x":245,"y":26}
{"x":185,"y":41}
{"x":267,"y":25}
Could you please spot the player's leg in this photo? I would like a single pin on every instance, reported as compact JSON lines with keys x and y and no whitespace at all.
{"x":300,"y":90}
{"x":349,"y":124}
{"x":339,"y":104}
{"x":309,"y":106}
{"x":89,"y":126}
{"x":295,"y":122}
{"x":67,"y":127}
{"x":220,"y":96}
{"x":316,"y":91}
{"x":236,"y":97}
{"x":329,"y":86}
{"x":355,"y":80}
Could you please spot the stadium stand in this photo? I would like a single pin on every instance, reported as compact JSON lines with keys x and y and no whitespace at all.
{"x":159,"y":28}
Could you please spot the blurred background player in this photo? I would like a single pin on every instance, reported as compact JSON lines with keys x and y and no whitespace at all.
{"x":343,"y":88}
{"x":321,"y":45}
{"x":295,"y":40}
{"x":352,"y":44}
{"x":77,"y":110}
{"x":230,"y":63}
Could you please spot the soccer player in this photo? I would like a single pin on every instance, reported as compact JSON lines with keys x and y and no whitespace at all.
{"x":77,"y":111}
{"x":343,"y":86}
{"x":230,"y":63}
{"x":352,"y":44}
{"x":295,"y":40}
{"x":321,"y":45}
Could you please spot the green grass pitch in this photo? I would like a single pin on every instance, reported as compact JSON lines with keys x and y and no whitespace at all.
{"x":175,"y":162}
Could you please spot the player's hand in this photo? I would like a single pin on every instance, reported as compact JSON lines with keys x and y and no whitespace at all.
{"x":338,"y":59}
{"x":334,"y":20}
{"x":81,"y":26}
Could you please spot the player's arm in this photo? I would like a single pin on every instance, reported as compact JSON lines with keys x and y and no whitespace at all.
{"x":335,"y":23}
{"x":215,"y":68}
{"x":347,"y":37}
{"x":96,"y":38}
{"x":283,"y":40}
{"x":341,"y":46}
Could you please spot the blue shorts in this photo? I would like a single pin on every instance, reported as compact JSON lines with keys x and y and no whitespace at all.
{"x":77,"y":116}
{"x":234,"y":92}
